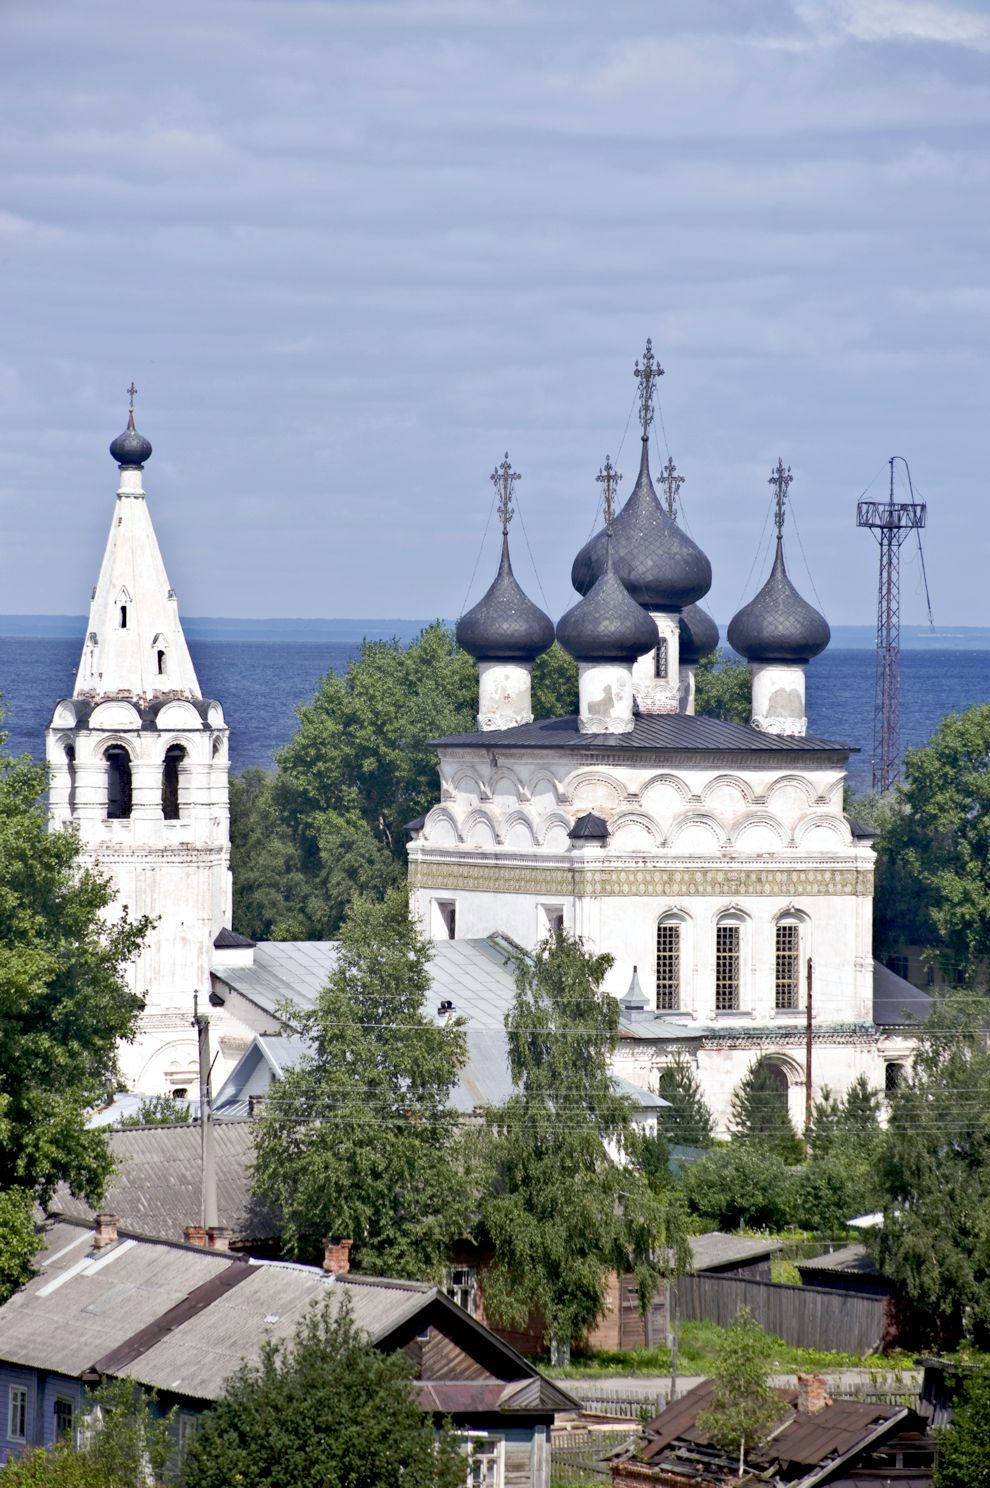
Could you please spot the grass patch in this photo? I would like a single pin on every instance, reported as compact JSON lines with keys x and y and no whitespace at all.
{"x":699,"y":1347}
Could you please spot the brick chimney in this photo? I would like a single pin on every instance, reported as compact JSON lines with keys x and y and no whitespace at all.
{"x":106,"y":1231}
{"x":336,"y":1255}
{"x":218,"y":1237}
{"x":195,"y":1235}
{"x":812,"y":1395}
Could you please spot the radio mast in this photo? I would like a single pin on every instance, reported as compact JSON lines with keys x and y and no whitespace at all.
{"x":890,"y":522}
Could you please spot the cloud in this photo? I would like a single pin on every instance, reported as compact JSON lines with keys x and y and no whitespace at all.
{"x":897,"y":20}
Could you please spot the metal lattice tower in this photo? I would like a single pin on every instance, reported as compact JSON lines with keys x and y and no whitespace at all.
{"x":890,"y":522}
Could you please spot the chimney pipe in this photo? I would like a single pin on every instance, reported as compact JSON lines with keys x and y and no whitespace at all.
{"x":812,"y":1394}
{"x":336,"y":1255}
{"x":195,"y":1235}
{"x":218,"y":1237}
{"x":106,"y":1231}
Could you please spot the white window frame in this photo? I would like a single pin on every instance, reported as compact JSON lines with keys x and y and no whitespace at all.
{"x":494,"y":1457}
{"x":19,"y":1394}
{"x":466,"y":1288}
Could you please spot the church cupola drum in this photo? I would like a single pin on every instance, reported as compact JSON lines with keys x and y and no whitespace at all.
{"x":139,"y":764}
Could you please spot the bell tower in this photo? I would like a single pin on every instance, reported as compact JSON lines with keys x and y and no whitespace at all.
{"x":139,"y":763}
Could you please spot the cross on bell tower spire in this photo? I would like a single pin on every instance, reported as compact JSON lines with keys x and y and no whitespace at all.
{"x":131,"y":393}
{"x":503,"y":478}
{"x":672,"y":483}
{"x":647,"y":375}
{"x":780,"y":480}
{"x":609,"y":478}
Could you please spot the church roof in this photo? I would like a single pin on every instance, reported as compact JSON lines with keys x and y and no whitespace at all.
{"x":659,"y":564}
{"x":679,"y":733}
{"x":505,"y":624}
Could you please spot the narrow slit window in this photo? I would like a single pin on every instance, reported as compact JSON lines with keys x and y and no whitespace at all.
{"x":668,"y":967}
{"x":161,"y":663}
{"x":726,"y":968}
{"x":788,"y":967}
{"x":174,"y":756}
{"x":660,"y":659}
{"x":123,"y":617}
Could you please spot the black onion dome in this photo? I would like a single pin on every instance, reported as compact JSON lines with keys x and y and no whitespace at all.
{"x":778,"y":625}
{"x":607,"y":624}
{"x":698,"y":635}
{"x":131,"y":448}
{"x":658,"y":563}
{"x":505,"y":625}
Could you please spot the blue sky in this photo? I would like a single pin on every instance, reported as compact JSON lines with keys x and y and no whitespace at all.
{"x":351,"y":252}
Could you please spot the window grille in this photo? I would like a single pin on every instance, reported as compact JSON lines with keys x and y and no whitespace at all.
{"x":726,"y":968}
{"x":788,"y":967}
{"x":668,"y":967}
{"x":893,"y":1075}
{"x":17,"y":1414}
{"x":660,"y":659}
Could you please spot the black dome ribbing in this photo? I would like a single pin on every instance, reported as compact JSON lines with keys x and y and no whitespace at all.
{"x":505,"y":625}
{"x":778,"y":625}
{"x":607,"y":624}
{"x":659,"y":565}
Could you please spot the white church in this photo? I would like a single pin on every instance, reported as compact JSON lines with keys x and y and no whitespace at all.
{"x":713,"y":861}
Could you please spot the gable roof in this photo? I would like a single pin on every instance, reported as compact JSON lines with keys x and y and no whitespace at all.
{"x":182,"y":1319}
{"x":715,"y":1249}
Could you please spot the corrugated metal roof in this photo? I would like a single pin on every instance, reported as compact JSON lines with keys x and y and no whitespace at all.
{"x":294,"y":971}
{"x":155,"y":1189}
{"x":668,"y":733}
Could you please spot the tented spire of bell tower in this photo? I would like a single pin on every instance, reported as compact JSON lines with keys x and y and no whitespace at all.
{"x":134,"y":646}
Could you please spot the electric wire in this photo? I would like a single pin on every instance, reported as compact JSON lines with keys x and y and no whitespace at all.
{"x":536,"y":571}
{"x":811,"y":577}
{"x":481,"y":549}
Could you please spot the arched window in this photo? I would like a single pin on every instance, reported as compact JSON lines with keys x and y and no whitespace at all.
{"x":893,"y":1076}
{"x":174,"y":756}
{"x":668,"y":965}
{"x":787,"y":966}
{"x":118,"y":783}
{"x":728,"y":965}
{"x":162,"y":659}
{"x":70,"y":765}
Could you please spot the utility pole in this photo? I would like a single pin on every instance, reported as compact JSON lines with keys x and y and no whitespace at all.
{"x":807,"y":1053}
{"x":208,"y":1167}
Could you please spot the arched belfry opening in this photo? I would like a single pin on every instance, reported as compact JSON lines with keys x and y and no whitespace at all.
{"x":171,"y":772}
{"x":118,"y":783}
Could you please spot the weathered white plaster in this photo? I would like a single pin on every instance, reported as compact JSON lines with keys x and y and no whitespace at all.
{"x":605,"y":691}
{"x":778,"y":697}
{"x":504,"y":694}
{"x":660,"y":694}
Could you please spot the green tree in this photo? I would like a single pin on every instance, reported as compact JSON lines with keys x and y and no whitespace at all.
{"x":934,"y":849}
{"x":742,"y":1186}
{"x":359,"y":1141}
{"x":963,"y":1459}
{"x":758,"y":1113}
{"x":563,"y":1205}
{"x":64,"y":1002}
{"x":18,"y":1237}
{"x":688,"y":1119}
{"x":723,"y":688}
{"x":130,"y":1445}
{"x":744,"y":1408}
{"x":159,"y":1110}
{"x":934,"y":1175}
{"x":322,"y":1410}
{"x":839,"y":1179}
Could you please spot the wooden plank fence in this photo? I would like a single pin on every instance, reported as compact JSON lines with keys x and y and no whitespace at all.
{"x":579,"y":1458}
{"x":808,"y":1317}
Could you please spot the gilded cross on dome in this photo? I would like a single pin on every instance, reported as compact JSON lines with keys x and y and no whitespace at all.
{"x":672,"y":483}
{"x":132,"y":394}
{"x":780,"y":479}
{"x":647,"y":374}
{"x":609,"y":478}
{"x":503,"y":478}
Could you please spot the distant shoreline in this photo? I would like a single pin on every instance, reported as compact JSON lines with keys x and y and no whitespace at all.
{"x":352,"y":632}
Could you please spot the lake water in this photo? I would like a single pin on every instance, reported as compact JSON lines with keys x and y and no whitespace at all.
{"x":262,"y":683}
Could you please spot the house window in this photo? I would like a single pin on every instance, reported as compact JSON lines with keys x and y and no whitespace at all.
{"x":668,"y":966}
{"x":787,"y":967}
{"x":486,"y":1467}
{"x":893,"y":1076}
{"x":17,"y":1408}
{"x":188,"y":1425}
{"x":660,"y":659}
{"x":726,"y":968}
{"x":174,"y":755}
{"x":898,"y":965}
{"x":462,"y":1288}
{"x":65,"y":1415}
{"x":118,"y":783}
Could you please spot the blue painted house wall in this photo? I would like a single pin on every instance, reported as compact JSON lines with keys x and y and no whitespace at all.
{"x":43,"y":1390}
